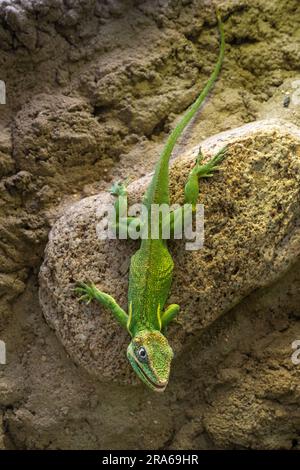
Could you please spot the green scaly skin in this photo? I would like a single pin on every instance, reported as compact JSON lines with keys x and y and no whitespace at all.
{"x":151,"y":266}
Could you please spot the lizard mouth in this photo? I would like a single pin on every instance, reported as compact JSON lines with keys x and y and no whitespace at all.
{"x":156,"y":386}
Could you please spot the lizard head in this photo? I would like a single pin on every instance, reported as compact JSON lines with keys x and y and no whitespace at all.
{"x":150,"y":355}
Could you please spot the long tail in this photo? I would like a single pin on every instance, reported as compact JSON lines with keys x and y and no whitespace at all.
{"x":162,"y":168}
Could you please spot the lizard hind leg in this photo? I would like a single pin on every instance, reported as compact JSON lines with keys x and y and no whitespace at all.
{"x":207,"y":169}
{"x":201,"y":170}
{"x":118,"y":189}
{"x":123,"y":221}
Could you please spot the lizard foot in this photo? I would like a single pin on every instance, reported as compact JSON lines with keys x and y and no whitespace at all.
{"x":207,"y":170}
{"x":86,"y":291}
{"x":118,"y":189}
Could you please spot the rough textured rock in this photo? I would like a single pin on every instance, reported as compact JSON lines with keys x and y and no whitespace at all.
{"x":252,"y":237}
{"x":1,"y":434}
{"x":123,"y":71}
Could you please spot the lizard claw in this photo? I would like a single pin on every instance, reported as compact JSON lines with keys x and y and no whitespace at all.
{"x":207,"y":170}
{"x":84,"y":298}
{"x":199,"y":158}
{"x":118,"y":189}
{"x":86,"y":291}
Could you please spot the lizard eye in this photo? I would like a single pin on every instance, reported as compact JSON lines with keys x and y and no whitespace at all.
{"x":142,"y":354}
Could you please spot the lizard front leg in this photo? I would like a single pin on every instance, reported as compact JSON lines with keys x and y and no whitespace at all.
{"x":90,"y":292}
{"x":168,"y":315}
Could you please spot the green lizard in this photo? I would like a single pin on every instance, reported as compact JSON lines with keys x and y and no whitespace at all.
{"x":151,"y":267}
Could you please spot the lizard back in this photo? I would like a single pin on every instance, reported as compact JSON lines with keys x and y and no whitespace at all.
{"x":150,"y":278}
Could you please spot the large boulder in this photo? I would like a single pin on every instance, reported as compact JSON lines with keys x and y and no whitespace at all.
{"x":252,"y":237}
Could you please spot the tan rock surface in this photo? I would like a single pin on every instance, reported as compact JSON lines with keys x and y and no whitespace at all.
{"x":93,"y":89}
